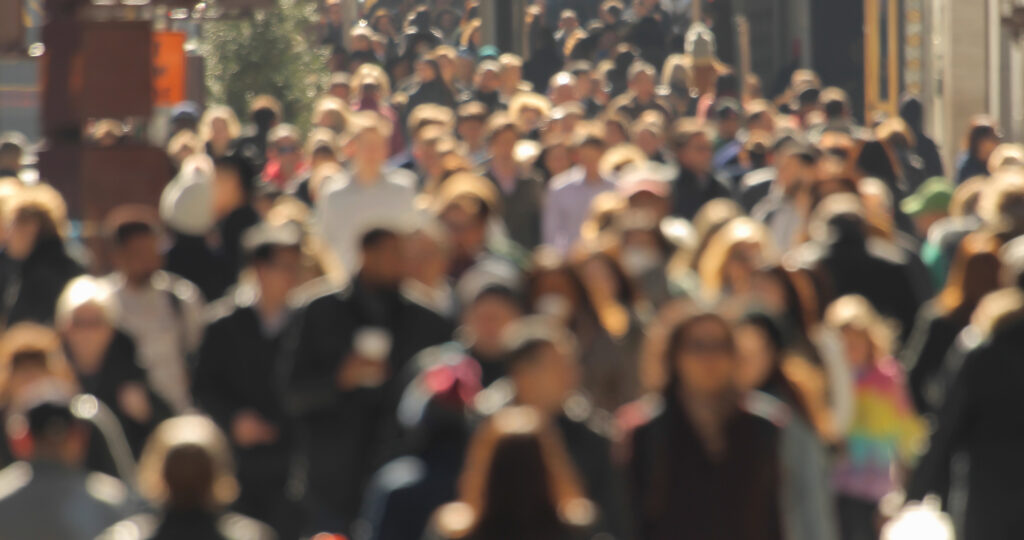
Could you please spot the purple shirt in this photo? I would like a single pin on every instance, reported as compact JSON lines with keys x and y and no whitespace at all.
{"x":568,"y":206}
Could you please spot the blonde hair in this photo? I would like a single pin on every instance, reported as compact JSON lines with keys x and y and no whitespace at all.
{"x":219,"y":112}
{"x":856,"y":312}
{"x":330,"y":112}
{"x":82,"y":291}
{"x":741,"y":230}
{"x":375,"y":75}
{"x":192,"y":431}
{"x":33,"y":338}
{"x":41,"y":200}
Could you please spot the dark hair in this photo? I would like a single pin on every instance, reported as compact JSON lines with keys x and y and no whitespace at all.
{"x":241,"y":167}
{"x":189,"y":475}
{"x":500,"y":293}
{"x":128,"y":222}
{"x":677,"y":343}
{"x":529,"y":336}
{"x":777,"y":383}
{"x":376,"y":237}
{"x":981,"y":128}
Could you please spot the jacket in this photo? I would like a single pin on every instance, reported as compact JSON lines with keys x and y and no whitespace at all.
{"x":690,"y":192}
{"x":31,"y":287}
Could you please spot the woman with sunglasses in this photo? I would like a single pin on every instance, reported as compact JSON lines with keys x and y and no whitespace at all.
{"x":702,"y":466}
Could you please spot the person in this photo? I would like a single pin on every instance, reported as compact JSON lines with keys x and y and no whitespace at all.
{"x":339,"y":357}
{"x":367,"y":195}
{"x":427,"y":258}
{"x":570,"y":193}
{"x":517,"y":482}
{"x":236,"y":370}
{"x":641,"y":77}
{"x":12,"y":148}
{"x":38,"y":263}
{"x":265,"y":112}
{"x":912,"y":112}
{"x":781,"y":205}
{"x":696,"y":184}
{"x":697,"y":458}
{"x":544,"y":372}
{"x":982,"y":138}
{"x":285,"y":161}
{"x":218,"y":129}
{"x":928,"y":204}
{"x":433,"y":412}
{"x":974,"y":274}
{"x":807,"y":505}
{"x":232,"y":199}
{"x":160,"y":311}
{"x":186,"y":472}
{"x":975,"y":421}
{"x":522,"y":196}
{"x":104,"y":359}
{"x":50,"y":494}
{"x":886,"y":431}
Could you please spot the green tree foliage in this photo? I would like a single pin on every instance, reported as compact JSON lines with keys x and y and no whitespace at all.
{"x":269,"y":52}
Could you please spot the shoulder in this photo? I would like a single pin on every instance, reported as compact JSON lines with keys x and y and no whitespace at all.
{"x":222,"y":310}
{"x":106,"y":489}
{"x":183,"y":289}
{"x":401,"y":180}
{"x":137,"y":527}
{"x":13,"y":478}
{"x":767,"y":408}
{"x":238,"y":527}
{"x":321,"y":291}
{"x":564,"y":181}
{"x":757,"y":178}
{"x":641,"y":416}
{"x":454,"y":521}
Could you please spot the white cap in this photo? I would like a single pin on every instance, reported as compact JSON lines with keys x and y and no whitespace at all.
{"x":186,"y":204}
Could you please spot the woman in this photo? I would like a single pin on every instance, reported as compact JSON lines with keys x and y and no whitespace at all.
{"x":807,"y":503}
{"x":103,"y":358}
{"x":517,"y":483}
{"x":886,"y":433}
{"x":982,"y":139}
{"x":186,"y":471}
{"x":432,"y":87}
{"x":218,"y":128}
{"x":974,"y":273}
{"x":701,"y":466}
{"x":38,"y":264}
{"x":732,"y":257}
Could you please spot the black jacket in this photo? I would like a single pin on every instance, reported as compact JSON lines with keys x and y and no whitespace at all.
{"x":981,"y":418}
{"x":678,"y":492}
{"x":348,"y":434}
{"x":689,"y":192}
{"x":31,"y":287}
{"x":191,"y":258}
{"x":521,"y":209}
{"x":924,"y":356}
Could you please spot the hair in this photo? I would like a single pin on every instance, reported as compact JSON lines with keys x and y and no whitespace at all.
{"x":640,"y":67}
{"x":1001,"y":203}
{"x":518,"y":482}
{"x":29,"y":342}
{"x":332,"y":111}
{"x":777,"y":377}
{"x":373,"y":74}
{"x":965,"y":197}
{"x":42,"y":203}
{"x":711,"y":217}
{"x":677,"y":342}
{"x":187,"y":464}
{"x":124,"y":223}
{"x":528,"y":336}
{"x":720,"y":247}
{"x":219,"y":112}
{"x":857,"y":313}
{"x":981,"y":127}
{"x":82,"y":291}
{"x":430,"y":114}
{"x":895,"y":133}
{"x":974,"y":272}
{"x":685,"y":130}
{"x":802,"y":305}
{"x":363,"y":121}
{"x":376,"y":237}
{"x":265,"y":102}
{"x":499,"y":123}
{"x":529,"y":100}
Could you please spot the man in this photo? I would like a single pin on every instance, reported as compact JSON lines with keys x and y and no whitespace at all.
{"x":12,"y":146}
{"x":339,"y":357}
{"x":487,"y":85}
{"x":366,"y":195}
{"x":571,"y":192}
{"x":544,"y":373}
{"x":522,"y":196}
{"x":50,"y":495}
{"x":470,"y":126}
{"x":696,"y":184}
{"x":778,"y":207}
{"x":285,"y":161}
{"x":161,"y":311}
{"x":641,"y":96}
{"x":236,"y":375}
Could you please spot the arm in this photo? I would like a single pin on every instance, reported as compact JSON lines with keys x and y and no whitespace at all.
{"x":209,"y":382}
{"x":551,"y":220}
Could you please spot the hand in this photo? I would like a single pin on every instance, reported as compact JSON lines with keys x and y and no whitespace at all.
{"x":250,"y":429}
{"x":360,"y":372}
{"x":133,"y":401}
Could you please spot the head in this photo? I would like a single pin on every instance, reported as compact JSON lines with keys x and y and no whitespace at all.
{"x":733,"y":254}
{"x":46,"y":429}
{"x":488,"y":317}
{"x":32,"y":361}
{"x":381,"y":259}
{"x":982,"y":138}
{"x":502,"y":135}
{"x":428,"y":254}
{"x":85,"y":318}
{"x":471,"y":124}
{"x":759,"y":350}
{"x":867,"y":336}
{"x":35,"y":215}
{"x":692,"y":145}
{"x":12,"y":147}
{"x":232,"y":185}
{"x":701,"y":358}
{"x":284,"y":143}
{"x":641,"y":77}
{"x":134,"y":236}
{"x":974,"y":272}
{"x":366,"y":140}
{"x":589,"y":146}
{"x":187,"y":465}
{"x":729,"y":118}
{"x":274,"y":253}
{"x":540,"y":356}
{"x":265,"y":112}
{"x":219,"y":126}
{"x":562,"y":88}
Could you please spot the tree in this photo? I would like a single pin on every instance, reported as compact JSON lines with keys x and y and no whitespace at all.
{"x":270,"y":52}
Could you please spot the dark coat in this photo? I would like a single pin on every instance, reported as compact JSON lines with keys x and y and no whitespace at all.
{"x":191,"y":258}
{"x":191,"y":525}
{"x":31,"y":287}
{"x":237,"y":369}
{"x":982,"y":419}
{"x":968,"y":167}
{"x":348,"y":434}
{"x":522,"y":209}
{"x":231,"y":229}
{"x":679,"y":492}
{"x":925,"y":354}
{"x":689,"y":193}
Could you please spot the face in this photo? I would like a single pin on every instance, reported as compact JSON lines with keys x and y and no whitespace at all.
{"x":739,"y":269}
{"x":706,"y":362}
{"x":281,"y":273}
{"x":648,"y":141}
{"x":287,"y":151}
{"x":502,"y":144}
{"x":382,"y":264}
{"x":424,"y":259}
{"x":986,"y":147}
{"x":471,"y":130}
{"x":858,"y":347}
{"x":697,"y":154}
{"x":87,"y":336}
{"x":487,"y":81}
{"x":227,"y":191}
{"x":563,"y":93}
{"x":219,"y":128}
{"x":21,"y":237}
{"x":754,"y":355}
{"x":139,"y":257}
{"x":557,"y":159}
{"x":468,"y":231}
{"x":510,"y":76}
{"x":643,"y":86}
{"x":770,"y":293}
{"x":368,"y":150}
{"x":793,"y":173}
{"x":547,"y":380}
{"x":599,"y":278}
{"x":589,"y":155}
{"x":486,"y":320}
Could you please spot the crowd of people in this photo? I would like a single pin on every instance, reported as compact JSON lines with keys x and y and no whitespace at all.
{"x":603,"y":290}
